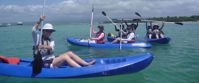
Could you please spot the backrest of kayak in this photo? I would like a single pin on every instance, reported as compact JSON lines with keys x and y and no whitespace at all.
{"x":11,"y":60}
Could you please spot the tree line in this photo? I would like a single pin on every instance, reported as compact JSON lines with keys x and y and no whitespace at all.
{"x":167,"y":19}
{"x":176,"y":18}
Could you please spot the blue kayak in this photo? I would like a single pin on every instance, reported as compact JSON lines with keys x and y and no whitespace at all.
{"x":165,"y":40}
{"x":102,"y":67}
{"x":109,"y":44}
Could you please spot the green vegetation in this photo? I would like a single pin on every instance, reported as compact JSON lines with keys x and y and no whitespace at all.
{"x":167,"y":19}
{"x":176,"y":19}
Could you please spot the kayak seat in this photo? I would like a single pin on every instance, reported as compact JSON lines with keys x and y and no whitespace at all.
{"x":110,"y":61}
{"x":11,"y":60}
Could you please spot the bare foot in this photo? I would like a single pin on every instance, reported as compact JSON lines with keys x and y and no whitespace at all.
{"x":92,"y":62}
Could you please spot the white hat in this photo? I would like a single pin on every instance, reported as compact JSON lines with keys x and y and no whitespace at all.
{"x":49,"y":27}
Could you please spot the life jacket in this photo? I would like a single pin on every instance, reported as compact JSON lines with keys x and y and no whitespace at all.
{"x":112,"y":35}
{"x":11,"y":60}
{"x":45,"y":52}
{"x":100,"y":41}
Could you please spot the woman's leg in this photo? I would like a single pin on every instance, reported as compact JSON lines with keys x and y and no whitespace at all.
{"x":72,"y":59}
{"x":78,"y":59}
{"x":157,"y":36}
{"x":115,"y":41}
{"x":150,"y":36}
{"x":161,"y":35}
{"x":62,"y":58}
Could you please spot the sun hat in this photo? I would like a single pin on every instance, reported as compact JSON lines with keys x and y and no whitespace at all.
{"x":48,"y":27}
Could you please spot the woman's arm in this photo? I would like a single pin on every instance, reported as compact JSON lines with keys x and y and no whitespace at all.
{"x":49,"y":47}
{"x":93,"y":31}
{"x":162,"y":25}
{"x":146,"y":25}
{"x":116,"y":29}
{"x":136,"y":25}
{"x":36,"y":26}
{"x":35,"y":30}
{"x":99,"y":37}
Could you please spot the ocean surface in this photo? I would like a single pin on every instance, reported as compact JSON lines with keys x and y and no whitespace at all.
{"x":177,"y":62}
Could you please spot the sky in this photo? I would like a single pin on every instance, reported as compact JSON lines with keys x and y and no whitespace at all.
{"x":80,"y":10}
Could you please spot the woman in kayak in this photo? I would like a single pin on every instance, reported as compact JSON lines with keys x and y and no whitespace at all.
{"x":100,"y":35}
{"x":157,"y":31}
{"x":130,"y":37}
{"x":47,"y":49}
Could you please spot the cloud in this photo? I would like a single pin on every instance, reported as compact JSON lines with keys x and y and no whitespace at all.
{"x":80,"y":9}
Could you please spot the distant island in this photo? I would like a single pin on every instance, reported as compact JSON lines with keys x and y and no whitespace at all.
{"x":193,"y":18}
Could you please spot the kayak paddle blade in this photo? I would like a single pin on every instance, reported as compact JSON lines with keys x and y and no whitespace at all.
{"x":103,"y":13}
{"x":37,"y":64}
{"x":136,"y":13}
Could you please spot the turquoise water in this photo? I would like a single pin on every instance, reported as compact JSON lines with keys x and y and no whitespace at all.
{"x":177,"y":62}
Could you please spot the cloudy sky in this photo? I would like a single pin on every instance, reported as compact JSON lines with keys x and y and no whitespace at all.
{"x":80,"y":10}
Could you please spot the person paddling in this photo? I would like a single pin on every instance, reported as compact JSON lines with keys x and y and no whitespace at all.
{"x":130,"y":37}
{"x":100,"y":35}
{"x":47,"y":49}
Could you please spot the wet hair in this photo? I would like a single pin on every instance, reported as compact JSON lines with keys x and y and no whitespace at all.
{"x":109,"y":34}
{"x":155,"y":26}
{"x":133,"y":25}
{"x":48,"y":30}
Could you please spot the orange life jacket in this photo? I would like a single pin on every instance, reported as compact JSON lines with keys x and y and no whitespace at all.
{"x":11,"y":60}
{"x":100,"y":41}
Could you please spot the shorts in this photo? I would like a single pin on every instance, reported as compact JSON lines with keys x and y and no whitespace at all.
{"x":47,"y":63}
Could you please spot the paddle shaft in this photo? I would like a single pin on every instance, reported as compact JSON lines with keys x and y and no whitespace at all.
{"x":42,"y":23}
{"x":91,"y":25}
{"x":116,"y":26}
{"x":37,"y":62}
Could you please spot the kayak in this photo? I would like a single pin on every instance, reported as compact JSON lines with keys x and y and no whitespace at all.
{"x":108,"y":44}
{"x":102,"y":67}
{"x":165,"y":40}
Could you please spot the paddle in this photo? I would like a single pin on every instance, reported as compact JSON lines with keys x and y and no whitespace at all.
{"x":104,"y":13}
{"x":37,"y":62}
{"x":136,"y":13}
{"x":91,"y":24}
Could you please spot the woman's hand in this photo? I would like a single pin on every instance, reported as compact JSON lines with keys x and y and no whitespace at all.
{"x":42,"y":18}
{"x":91,"y":39}
{"x":44,"y":47}
{"x":41,"y":46}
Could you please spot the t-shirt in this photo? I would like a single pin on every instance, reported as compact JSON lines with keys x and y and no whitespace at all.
{"x":129,"y":37}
